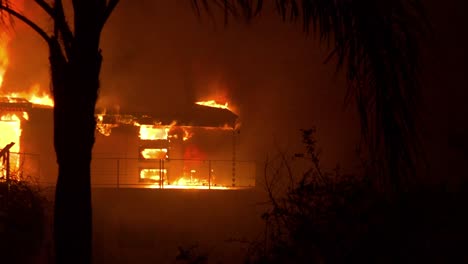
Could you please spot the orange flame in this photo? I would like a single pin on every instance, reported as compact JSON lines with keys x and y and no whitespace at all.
{"x":213,"y":103}
{"x":150,"y":153}
{"x":187,"y":134}
{"x":10,"y":131}
{"x":4,"y":40}
{"x":35,"y":96}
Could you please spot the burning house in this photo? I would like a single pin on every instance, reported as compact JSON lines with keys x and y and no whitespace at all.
{"x":192,"y":149}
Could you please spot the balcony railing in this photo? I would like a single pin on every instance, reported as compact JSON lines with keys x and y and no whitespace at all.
{"x":140,"y":173}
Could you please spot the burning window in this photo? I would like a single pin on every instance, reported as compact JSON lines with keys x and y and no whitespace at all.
{"x":10,"y":127}
{"x":151,"y":132}
{"x":154,"y":153}
{"x":152,"y":175}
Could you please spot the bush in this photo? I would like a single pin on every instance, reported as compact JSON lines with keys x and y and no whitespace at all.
{"x":21,"y":221}
{"x":327,"y":217}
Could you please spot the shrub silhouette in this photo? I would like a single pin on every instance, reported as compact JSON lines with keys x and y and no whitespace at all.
{"x":21,"y":222}
{"x":328,"y":217}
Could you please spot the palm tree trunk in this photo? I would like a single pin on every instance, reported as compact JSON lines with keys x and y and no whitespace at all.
{"x":75,"y":85}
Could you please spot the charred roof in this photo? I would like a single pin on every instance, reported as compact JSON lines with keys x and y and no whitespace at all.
{"x":196,"y":115}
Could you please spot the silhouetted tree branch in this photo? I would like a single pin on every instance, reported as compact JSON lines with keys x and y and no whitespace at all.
{"x":108,"y":10}
{"x":377,"y":43}
{"x":27,"y":21}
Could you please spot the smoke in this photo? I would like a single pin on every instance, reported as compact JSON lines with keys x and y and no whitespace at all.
{"x":27,"y":52}
{"x":159,"y":57}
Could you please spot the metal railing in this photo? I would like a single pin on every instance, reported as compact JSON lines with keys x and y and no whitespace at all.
{"x":140,"y":173}
{"x":172,"y":173}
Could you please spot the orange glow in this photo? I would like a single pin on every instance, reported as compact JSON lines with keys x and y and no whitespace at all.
{"x":152,"y":174}
{"x":187,"y":134}
{"x":104,"y":129}
{"x":188,"y":180}
{"x":44,"y":99}
{"x":149,"y":153}
{"x":152,"y":132}
{"x":35,"y":96}
{"x":10,"y":131}
{"x":10,"y":127}
{"x":213,"y":103}
{"x":190,"y":187}
{"x":4,"y":40}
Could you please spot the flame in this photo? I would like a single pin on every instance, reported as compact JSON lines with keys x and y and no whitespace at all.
{"x":155,"y":132}
{"x":10,"y":131}
{"x":4,"y":61}
{"x":149,"y":153}
{"x":188,"y":180}
{"x":10,"y":127}
{"x":153,"y":174}
{"x":101,"y":127}
{"x":187,"y":134}
{"x":45,"y":99}
{"x":34,"y":95}
{"x":213,"y":103}
{"x":150,"y":132}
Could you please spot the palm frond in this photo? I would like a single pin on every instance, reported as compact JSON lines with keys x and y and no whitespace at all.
{"x":376,"y":42}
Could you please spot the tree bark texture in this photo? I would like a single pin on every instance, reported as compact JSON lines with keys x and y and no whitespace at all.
{"x":75,"y":82}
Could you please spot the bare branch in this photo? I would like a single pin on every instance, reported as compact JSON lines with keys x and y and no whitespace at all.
{"x":28,"y":22}
{"x":108,"y":11}
{"x":46,"y":7}
{"x":62,"y":26}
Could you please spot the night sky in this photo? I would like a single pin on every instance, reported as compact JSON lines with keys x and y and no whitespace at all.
{"x":159,"y":57}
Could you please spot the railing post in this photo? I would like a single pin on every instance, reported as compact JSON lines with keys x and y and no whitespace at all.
{"x":118,"y":174}
{"x":233,"y":157}
{"x":7,"y":195}
{"x":160,"y":174}
{"x":209,"y":175}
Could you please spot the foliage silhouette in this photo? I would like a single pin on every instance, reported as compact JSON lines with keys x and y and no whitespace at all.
{"x":377,"y":43}
{"x":22,"y":217}
{"x":329,"y":217}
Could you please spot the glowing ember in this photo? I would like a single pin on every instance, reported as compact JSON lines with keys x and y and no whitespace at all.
{"x":187,"y":134}
{"x":149,"y":153}
{"x":213,"y":103}
{"x":101,"y":127}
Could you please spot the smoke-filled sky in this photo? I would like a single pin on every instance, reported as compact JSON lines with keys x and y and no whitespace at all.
{"x":159,"y":57}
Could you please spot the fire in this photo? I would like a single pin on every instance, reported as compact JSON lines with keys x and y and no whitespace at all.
{"x":154,"y":132}
{"x":187,"y":134}
{"x":35,"y":96}
{"x":4,"y":39}
{"x":152,"y":174}
{"x":45,"y":99}
{"x":10,"y":127}
{"x":103,"y":128}
{"x":149,"y":153}
{"x":213,"y":103}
